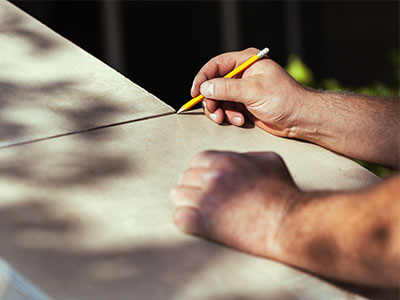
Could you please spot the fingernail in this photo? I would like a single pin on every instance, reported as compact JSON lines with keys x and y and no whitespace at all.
{"x":172,"y":193}
{"x":192,"y":88}
{"x":207,"y":89}
{"x":204,"y":103}
{"x":213,"y":117}
{"x":237,"y":121}
{"x":180,"y":179}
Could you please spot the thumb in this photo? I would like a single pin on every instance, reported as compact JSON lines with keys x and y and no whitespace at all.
{"x":229,"y":89}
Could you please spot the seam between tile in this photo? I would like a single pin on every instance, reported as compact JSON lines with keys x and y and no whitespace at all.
{"x":88,"y":129}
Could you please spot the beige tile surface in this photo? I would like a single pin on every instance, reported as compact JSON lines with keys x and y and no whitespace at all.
{"x":87,"y":216}
{"x":49,"y":86}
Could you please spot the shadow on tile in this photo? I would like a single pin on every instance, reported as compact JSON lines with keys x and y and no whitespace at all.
{"x":85,"y":160}
{"x":14,"y":25}
{"x":32,"y":235}
{"x":369,"y":292}
{"x":50,"y":87}
{"x":71,"y":118}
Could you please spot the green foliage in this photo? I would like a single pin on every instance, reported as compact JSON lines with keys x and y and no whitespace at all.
{"x":332,"y":85}
{"x":303,"y":74}
{"x":395,"y":59}
{"x":376,"y":89}
{"x":299,"y":70}
{"x":381,"y":171}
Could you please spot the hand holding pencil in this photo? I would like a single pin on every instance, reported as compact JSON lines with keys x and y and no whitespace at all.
{"x":264,"y":93}
{"x":231,"y":74}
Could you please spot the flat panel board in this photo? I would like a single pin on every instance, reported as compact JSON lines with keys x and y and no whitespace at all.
{"x":49,"y":86}
{"x":87,"y":216}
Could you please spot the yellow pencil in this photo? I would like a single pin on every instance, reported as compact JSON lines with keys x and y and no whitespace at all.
{"x":234,"y":72}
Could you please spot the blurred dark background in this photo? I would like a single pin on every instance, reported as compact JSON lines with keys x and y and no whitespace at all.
{"x":161,"y":45}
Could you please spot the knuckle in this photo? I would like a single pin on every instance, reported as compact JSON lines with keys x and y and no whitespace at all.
{"x":214,"y":179}
{"x":190,"y":176}
{"x":251,"y":50}
{"x":212,"y":176}
{"x":224,"y":89}
{"x":219,"y":59}
{"x":206,"y":154}
{"x":203,"y":158}
{"x":273,"y":156}
{"x":199,"y":156}
{"x":213,"y":63}
{"x":226,"y":161}
{"x":214,"y":60}
{"x":274,"y":161}
{"x":266,"y":157}
{"x":183,"y":196}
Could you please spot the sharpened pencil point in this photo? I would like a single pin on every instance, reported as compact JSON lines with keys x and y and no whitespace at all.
{"x":182,"y":109}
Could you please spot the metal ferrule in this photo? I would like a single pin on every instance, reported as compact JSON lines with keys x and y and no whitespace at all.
{"x":263,"y":52}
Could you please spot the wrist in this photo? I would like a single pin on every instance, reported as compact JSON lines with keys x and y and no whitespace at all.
{"x":290,"y":236}
{"x":310,"y":117}
{"x":285,"y":231}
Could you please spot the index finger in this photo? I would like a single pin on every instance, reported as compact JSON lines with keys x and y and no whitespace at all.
{"x":219,"y":66}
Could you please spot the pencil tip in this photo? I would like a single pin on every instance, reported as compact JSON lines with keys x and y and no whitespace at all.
{"x":182,"y":109}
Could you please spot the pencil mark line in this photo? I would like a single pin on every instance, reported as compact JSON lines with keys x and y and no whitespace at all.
{"x":87,"y":130}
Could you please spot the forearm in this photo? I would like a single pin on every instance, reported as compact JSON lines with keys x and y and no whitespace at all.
{"x":347,"y":236}
{"x":361,"y":127}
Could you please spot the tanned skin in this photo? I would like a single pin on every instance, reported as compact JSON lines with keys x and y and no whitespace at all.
{"x":250,"y":202}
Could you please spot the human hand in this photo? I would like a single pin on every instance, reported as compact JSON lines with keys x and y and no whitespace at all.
{"x":265,"y":93}
{"x":250,"y":202}
{"x":236,"y":199}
